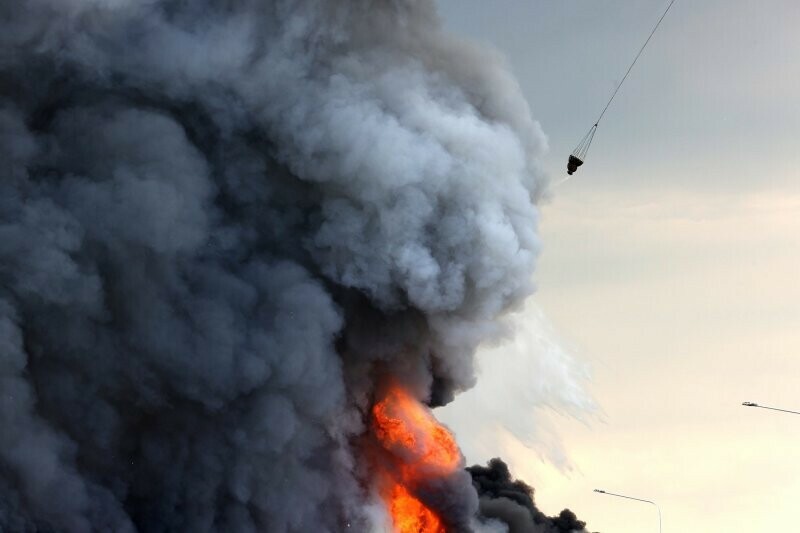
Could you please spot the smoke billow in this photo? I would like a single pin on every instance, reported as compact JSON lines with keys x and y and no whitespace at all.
{"x":221,"y":222}
{"x":511,"y":502}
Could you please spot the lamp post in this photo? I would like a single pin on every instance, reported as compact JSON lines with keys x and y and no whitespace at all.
{"x":753,"y":404}
{"x":636,"y":499}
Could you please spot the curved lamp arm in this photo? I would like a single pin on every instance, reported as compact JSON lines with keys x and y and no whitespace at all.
{"x":636,"y":499}
{"x":753,"y":404}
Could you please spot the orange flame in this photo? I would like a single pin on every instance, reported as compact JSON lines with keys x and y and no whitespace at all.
{"x":407,"y":429}
{"x":410,"y":515}
{"x":424,"y":449}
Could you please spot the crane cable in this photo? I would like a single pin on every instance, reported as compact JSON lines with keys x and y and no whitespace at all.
{"x":634,"y":62}
{"x":583,"y":146}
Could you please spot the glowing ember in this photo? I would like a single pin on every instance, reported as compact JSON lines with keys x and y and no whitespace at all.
{"x":423,"y":448}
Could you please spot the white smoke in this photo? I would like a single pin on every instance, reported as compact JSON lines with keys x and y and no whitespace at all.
{"x":523,"y":377}
{"x":218,"y":220}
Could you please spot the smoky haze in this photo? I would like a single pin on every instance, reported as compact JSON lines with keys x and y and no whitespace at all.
{"x":220,"y":223}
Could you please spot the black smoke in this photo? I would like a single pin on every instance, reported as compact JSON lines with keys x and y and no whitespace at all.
{"x":511,"y":502}
{"x":220,"y":222}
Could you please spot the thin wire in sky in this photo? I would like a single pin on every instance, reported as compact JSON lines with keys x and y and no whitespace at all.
{"x":634,"y":61}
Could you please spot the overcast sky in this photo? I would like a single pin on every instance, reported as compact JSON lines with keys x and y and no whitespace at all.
{"x":670,"y":264}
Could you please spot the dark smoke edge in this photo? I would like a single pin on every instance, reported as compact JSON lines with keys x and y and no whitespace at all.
{"x":512,"y":502}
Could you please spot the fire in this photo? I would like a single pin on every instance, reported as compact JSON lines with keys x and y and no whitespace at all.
{"x":410,"y":515}
{"x":423,"y":449}
{"x":406,"y":428}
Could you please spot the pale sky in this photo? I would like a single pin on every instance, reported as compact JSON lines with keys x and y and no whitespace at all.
{"x":670,"y":268}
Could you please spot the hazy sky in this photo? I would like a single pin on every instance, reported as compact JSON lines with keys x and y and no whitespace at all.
{"x":671,"y":263}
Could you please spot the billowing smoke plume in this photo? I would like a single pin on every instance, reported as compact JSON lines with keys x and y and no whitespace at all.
{"x":221,"y":223}
{"x":511,"y":502}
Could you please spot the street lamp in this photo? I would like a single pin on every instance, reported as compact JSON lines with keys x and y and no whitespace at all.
{"x":753,"y":404}
{"x":638,"y":500}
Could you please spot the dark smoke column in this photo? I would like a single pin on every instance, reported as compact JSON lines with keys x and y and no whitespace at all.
{"x":220,"y":223}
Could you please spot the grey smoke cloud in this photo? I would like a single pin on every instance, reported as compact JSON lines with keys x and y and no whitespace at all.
{"x":219,"y":223}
